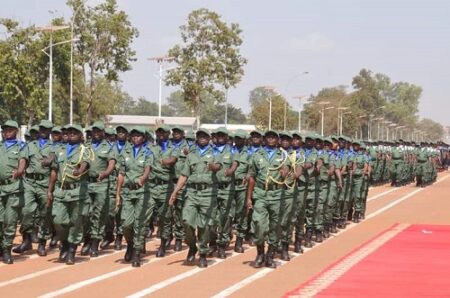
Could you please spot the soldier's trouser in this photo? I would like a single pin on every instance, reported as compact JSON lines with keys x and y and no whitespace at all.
{"x":287,"y":214}
{"x":300,"y":210}
{"x":9,"y":214}
{"x":396,"y":170}
{"x":35,"y":210}
{"x":225,"y":215}
{"x":357,"y":193}
{"x":310,"y":205}
{"x":320,"y":206}
{"x":332,"y":203}
{"x":161,"y":195}
{"x":364,"y":194}
{"x":265,"y":217}
{"x":347,"y":195}
{"x":68,"y":218}
{"x":199,"y":215}
{"x":240,"y":217}
{"x":178,"y":226}
{"x":98,"y":210}
{"x":111,"y":223}
{"x":137,"y":206}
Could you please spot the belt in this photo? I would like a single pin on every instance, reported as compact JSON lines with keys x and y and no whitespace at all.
{"x":92,"y":179}
{"x":158,"y":181}
{"x":223,"y":185}
{"x":35,"y":176}
{"x":70,"y":186}
{"x":7,"y":181}
{"x":132,"y":186}
{"x":238,"y":181}
{"x":270,"y":186}
{"x":201,"y":186}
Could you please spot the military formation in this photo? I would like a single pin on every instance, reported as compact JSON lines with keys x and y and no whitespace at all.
{"x":99,"y":187}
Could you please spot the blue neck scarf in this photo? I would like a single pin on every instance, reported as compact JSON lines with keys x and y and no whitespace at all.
{"x":163,"y":145}
{"x":71,"y":148}
{"x":202,"y":150}
{"x":120,"y":145}
{"x":9,"y":143}
{"x":136,"y":150}
{"x":270,"y":152}
{"x":42,"y":142}
{"x":96,"y":144}
{"x":219,"y":149}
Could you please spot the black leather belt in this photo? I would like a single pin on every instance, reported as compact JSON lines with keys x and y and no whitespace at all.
{"x":7,"y":181}
{"x":201,"y":186}
{"x":35,"y":176}
{"x":132,"y":186}
{"x":158,"y":181}
{"x":69,"y":186}
{"x":270,"y":186}
{"x":223,"y":185}
{"x":92,"y":179}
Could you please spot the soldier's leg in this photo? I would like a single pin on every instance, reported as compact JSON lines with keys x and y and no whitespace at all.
{"x":225,"y":215}
{"x":165,"y":219}
{"x":98,"y":216}
{"x":357,"y":194}
{"x":309,"y":214}
{"x":12,"y":205}
{"x":299,"y":221}
{"x":274,"y":208}
{"x":27,"y":214}
{"x":206,"y":217}
{"x":331,"y":209}
{"x":320,"y":208}
{"x":240,"y":218}
{"x":178,"y":226}
{"x":287,"y":214}
{"x":109,"y":219}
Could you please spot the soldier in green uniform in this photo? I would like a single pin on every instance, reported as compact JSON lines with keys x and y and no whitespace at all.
{"x":299,"y":221}
{"x":181,"y":150}
{"x":162,"y":179}
{"x":366,"y":181}
{"x":101,"y":167}
{"x":34,"y":133}
{"x":268,"y":170}
{"x":13,"y":159}
{"x":35,"y":195}
{"x":225,"y":194}
{"x":67,"y":191}
{"x":240,"y":192}
{"x":346,"y":165}
{"x":133,"y":193}
{"x":200,"y":207}
{"x":360,"y":170}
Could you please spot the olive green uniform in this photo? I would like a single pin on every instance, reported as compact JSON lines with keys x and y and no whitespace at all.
{"x":240,"y":192}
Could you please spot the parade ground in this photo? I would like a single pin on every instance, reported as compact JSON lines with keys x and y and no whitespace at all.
{"x":401,"y":249}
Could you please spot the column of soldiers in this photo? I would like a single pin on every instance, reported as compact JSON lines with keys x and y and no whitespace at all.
{"x":270,"y":189}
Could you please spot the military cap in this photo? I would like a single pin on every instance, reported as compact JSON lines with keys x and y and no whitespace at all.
{"x":310,"y":136}
{"x":334,"y":137}
{"x":27,"y":133}
{"x":221,"y":130}
{"x":138,"y":129}
{"x":57,"y":129}
{"x":164,"y":127}
{"x":33,"y":128}
{"x":296,"y":133}
{"x":271,"y":131}
{"x":318,"y":137}
{"x":363,"y":145}
{"x":190,"y":135}
{"x":286,"y":133}
{"x":88,"y":128}
{"x":46,"y":124}
{"x":177,"y":127}
{"x":255,"y":131}
{"x":328,"y":140}
{"x":204,"y":130}
{"x":123,"y":127}
{"x":10,"y":123}
{"x":99,"y":125}
{"x":110,"y":131}
{"x":240,"y":133}
{"x":356,"y":142}
{"x":74,"y":126}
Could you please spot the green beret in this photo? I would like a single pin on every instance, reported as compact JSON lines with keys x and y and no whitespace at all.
{"x":10,"y":123}
{"x":221,"y":129}
{"x":356,"y":142}
{"x":328,"y":140}
{"x":123,"y":127}
{"x":190,"y":135}
{"x":177,"y":127}
{"x":99,"y":125}
{"x":88,"y":128}
{"x":296,"y":133}
{"x":33,"y":128}
{"x":240,"y":133}
{"x":46,"y":124}
{"x":256,"y":132}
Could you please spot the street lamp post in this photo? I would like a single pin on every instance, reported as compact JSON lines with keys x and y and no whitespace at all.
{"x":270,"y":89}
{"x":285,"y":90}
{"x":323,"y":104}
{"x":340,"y":114}
{"x":342,"y":122}
{"x":161,"y":61}
{"x":299,"y":112}
{"x":51,"y":29}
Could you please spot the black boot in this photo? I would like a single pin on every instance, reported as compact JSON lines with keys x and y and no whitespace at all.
{"x":326,"y":231}
{"x":41,"y":248}
{"x":298,"y":245}
{"x":333,"y":228}
{"x":356,"y":217}
{"x":221,"y":252}
{"x":86,"y":248}
{"x":64,"y":251}
{"x":53,"y":243}
{"x":169,"y":241}
{"x":94,"y":248}
{"x":162,"y":249}
{"x":129,"y":252}
{"x":308,"y":238}
{"x":136,"y":258}
{"x":203,"y":263}
{"x":191,"y":255}
{"x":178,"y":245}
{"x":34,"y":235}
{"x":7,"y":257}
{"x":212,"y":248}
{"x":118,"y":242}
{"x":319,"y":237}
{"x":285,"y":252}
{"x":25,"y":245}
{"x":71,"y":254}
{"x":109,"y":238}
{"x":259,"y":261}
{"x":269,"y":258}
{"x":238,"y":245}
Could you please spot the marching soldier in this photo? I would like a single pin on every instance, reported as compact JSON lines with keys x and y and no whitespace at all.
{"x":360,"y":170}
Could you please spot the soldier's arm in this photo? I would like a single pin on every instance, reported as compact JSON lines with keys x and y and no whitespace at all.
{"x":337,"y":173}
{"x":20,"y":169}
{"x":298,"y":171}
{"x":331,"y":170}
{"x":251,"y":187}
{"x":108,"y":171}
{"x":84,"y":166}
{"x":51,"y":186}
{"x":119,"y":185}
{"x":319,"y":165}
{"x":168,"y":162}
{"x":180,"y":183}
{"x":144,"y":176}
{"x":230,"y":171}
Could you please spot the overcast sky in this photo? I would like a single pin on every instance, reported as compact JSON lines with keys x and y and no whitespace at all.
{"x":408,"y":40}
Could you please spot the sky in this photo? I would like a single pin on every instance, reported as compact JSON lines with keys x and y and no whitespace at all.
{"x":332,"y":40}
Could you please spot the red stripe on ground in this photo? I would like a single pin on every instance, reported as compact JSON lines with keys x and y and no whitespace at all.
{"x":414,"y":263}
{"x":296,"y":290}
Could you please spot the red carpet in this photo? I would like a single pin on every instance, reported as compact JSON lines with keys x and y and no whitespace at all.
{"x":409,"y":261}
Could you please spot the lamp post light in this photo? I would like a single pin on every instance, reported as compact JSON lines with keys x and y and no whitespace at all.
{"x":161,"y":60}
{"x":340,"y":114}
{"x":322,"y":112}
{"x":285,"y":90}
{"x":51,"y":29}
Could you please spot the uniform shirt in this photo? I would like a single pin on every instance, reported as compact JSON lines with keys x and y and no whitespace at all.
{"x":196,"y":165}
{"x":68,"y":159}
{"x":244,"y":162}
{"x":11,"y":152}
{"x":37,"y":151}
{"x":102,"y":152}
{"x":360,"y":159}
{"x":266,"y":164}
{"x":226,"y":158}
{"x":178,"y":151}
{"x":133,"y":161}
{"x":162,"y":151}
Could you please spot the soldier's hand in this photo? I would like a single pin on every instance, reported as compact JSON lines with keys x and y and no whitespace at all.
{"x":173,"y":198}
{"x":244,"y":181}
{"x":117,"y":202}
{"x":49,"y":199}
{"x":284,"y":172}
{"x":102,"y":176}
{"x":249,"y":205}
{"x":185,"y":151}
{"x":228,"y":172}
{"x":45,"y":162}
{"x":76,"y":173}
{"x":340,"y":186}
{"x":141,"y":181}
{"x":16,"y":174}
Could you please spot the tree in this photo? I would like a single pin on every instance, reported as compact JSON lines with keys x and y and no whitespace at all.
{"x":104,"y":47}
{"x":433,"y":131}
{"x":209,"y":59}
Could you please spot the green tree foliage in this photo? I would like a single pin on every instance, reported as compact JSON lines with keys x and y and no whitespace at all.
{"x":209,"y":58}
{"x":433,"y":131}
